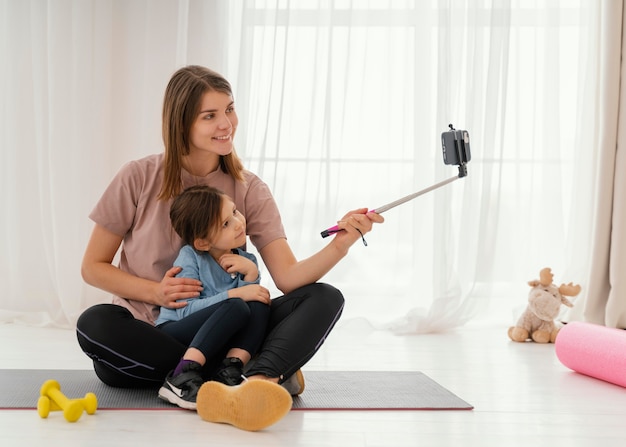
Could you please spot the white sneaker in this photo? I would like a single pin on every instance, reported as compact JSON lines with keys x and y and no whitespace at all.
{"x":295,"y":383}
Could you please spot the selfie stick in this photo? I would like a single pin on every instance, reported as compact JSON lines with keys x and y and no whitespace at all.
{"x":462,"y":158}
{"x":387,"y":207}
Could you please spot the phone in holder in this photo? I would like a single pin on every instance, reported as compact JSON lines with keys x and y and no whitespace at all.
{"x":456,"y":146}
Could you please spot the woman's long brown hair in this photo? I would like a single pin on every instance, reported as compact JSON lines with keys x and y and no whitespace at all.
{"x":181,"y":105}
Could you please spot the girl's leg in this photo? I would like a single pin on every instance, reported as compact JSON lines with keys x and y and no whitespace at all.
{"x":299,"y":324}
{"x":210,"y":330}
{"x":250,"y":338}
{"x":207,"y":331}
{"x":126,"y":352}
{"x":244,"y":345}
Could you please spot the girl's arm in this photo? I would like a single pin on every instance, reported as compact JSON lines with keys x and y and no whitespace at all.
{"x":288,"y":273}
{"x":97,"y":270}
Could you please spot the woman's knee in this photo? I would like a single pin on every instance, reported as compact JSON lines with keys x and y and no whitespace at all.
{"x":99,"y":313}
{"x":99,"y":319}
{"x":327,"y":295}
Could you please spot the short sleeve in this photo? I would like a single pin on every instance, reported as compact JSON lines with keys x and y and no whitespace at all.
{"x":117,"y":207}
{"x":264,"y":223}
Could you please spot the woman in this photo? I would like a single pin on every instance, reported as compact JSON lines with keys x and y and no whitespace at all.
{"x":199,"y":125}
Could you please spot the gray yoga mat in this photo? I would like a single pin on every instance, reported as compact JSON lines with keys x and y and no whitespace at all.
{"x":324,"y":390}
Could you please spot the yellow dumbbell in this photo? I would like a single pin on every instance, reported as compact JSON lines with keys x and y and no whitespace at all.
{"x":52,"y":399}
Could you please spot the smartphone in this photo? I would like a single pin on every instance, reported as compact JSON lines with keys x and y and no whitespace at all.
{"x":456,"y":147}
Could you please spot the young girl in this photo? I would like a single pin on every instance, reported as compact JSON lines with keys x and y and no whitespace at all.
{"x":232,"y":310}
{"x":199,"y":126}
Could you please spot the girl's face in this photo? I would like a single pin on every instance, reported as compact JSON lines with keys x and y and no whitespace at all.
{"x":215,"y":125}
{"x":232,"y":231}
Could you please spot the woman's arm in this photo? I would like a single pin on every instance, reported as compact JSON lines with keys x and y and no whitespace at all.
{"x":97,"y":270}
{"x":288,"y":273}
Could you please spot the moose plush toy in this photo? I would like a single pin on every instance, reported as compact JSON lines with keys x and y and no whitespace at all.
{"x":544,"y":301}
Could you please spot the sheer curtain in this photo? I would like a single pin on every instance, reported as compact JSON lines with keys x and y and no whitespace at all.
{"x":341,"y":105}
{"x":81,"y":87}
{"x":344,"y":106}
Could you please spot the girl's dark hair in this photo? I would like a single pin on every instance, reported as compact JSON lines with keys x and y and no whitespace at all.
{"x":181,"y":104}
{"x":197,"y":213}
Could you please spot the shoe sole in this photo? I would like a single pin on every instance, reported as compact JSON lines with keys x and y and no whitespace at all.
{"x":171,"y":397}
{"x":253,"y":405}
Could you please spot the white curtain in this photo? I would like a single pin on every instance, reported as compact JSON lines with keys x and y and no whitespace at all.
{"x":81,"y":87}
{"x":341,"y":105}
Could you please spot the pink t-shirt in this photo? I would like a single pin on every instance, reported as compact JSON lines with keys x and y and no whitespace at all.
{"x":129,"y":208}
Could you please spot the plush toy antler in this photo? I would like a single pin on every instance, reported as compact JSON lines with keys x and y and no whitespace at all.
{"x":545,"y":276}
{"x":569,"y":289}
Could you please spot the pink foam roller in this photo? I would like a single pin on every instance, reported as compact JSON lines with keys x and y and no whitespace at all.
{"x":594,"y":350}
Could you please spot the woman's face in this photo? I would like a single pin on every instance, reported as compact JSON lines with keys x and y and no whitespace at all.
{"x":215,"y":125}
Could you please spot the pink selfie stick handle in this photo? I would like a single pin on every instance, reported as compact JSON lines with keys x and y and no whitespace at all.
{"x":332,"y":230}
{"x":336,"y":229}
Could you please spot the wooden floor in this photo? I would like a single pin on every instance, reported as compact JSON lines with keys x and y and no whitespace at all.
{"x":522,"y":394}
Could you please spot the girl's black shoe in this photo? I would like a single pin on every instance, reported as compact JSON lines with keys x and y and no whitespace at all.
{"x":231,"y":372}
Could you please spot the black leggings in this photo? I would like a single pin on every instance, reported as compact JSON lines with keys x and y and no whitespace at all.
{"x":232,"y":323}
{"x":127,"y":352}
